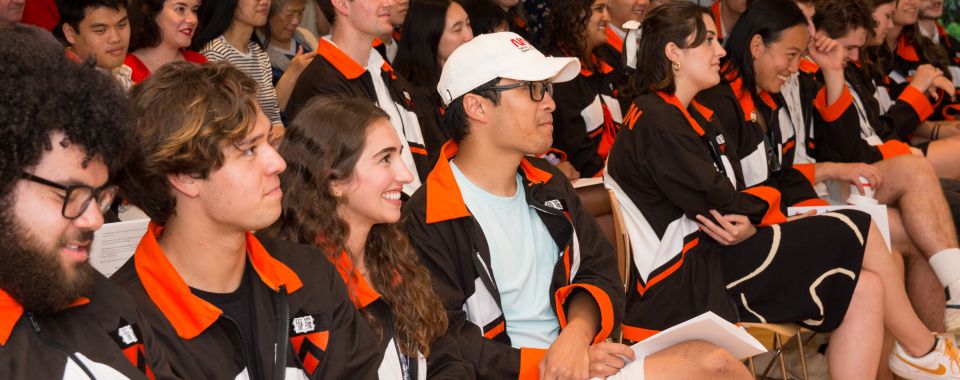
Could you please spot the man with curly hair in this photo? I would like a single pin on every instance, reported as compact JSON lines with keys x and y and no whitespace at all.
{"x":62,"y":131}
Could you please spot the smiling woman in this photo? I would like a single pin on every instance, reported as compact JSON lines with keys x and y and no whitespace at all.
{"x":588,"y":115}
{"x":343,"y":195}
{"x":161,"y":32}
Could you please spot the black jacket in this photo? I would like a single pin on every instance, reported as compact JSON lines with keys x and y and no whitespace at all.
{"x":453,"y":248}
{"x":761,"y":152}
{"x":444,"y":362}
{"x":334,"y":73}
{"x":306,"y":326}
{"x":668,"y":165}
{"x":586,"y":119}
{"x":104,"y":334}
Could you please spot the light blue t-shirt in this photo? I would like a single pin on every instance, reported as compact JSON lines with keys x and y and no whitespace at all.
{"x":522,"y":257}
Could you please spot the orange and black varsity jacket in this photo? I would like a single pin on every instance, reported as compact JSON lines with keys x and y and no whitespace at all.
{"x":334,"y":73}
{"x":611,"y":53}
{"x":102,"y":336}
{"x":444,"y":362}
{"x":761,"y":152}
{"x":451,"y":245}
{"x":306,"y":326}
{"x":901,"y":64}
{"x":669,"y":164}
{"x":587,"y":118}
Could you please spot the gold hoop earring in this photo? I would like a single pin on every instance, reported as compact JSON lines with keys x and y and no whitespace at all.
{"x":676,"y":66}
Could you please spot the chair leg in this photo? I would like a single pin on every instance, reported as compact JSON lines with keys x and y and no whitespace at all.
{"x":777,"y":353}
{"x":783,"y":364}
{"x":803,"y":357}
{"x":753,"y":370}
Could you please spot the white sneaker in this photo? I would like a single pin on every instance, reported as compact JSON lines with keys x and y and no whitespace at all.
{"x":951,"y":319}
{"x":942,"y":363}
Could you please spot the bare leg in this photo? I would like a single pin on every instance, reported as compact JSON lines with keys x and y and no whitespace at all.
{"x":694,"y":360}
{"x":884,"y":373}
{"x":945,"y":156}
{"x":899,"y":316}
{"x":862,"y":327}
{"x":910,"y":184}
{"x":923,"y":287}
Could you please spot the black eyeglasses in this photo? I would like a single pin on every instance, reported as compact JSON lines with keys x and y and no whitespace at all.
{"x":537,"y":89}
{"x":78,"y":197}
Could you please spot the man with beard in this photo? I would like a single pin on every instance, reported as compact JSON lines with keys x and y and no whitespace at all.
{"x":60,"y":135}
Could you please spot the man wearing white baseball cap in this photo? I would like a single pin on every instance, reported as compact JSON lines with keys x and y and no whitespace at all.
{"x":529,"y":282}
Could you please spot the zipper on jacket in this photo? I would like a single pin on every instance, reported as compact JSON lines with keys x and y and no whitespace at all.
{"x":243,"y":345}
{"x":569,"y":243}
{"x":58,"y":347}
{"x":283,"y":336}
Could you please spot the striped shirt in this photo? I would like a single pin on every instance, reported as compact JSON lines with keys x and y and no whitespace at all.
{"x":256,"y":64}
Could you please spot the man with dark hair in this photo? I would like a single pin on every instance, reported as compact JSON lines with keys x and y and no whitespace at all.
{"x":11,"y":11}
{"x":528,"y":280}
{"x":60,"y":136}
{"x":98,"y":31}
{"x":225,"y":303}
{"x":348,"y":65}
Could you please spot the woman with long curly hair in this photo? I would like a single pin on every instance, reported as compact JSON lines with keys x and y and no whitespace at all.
{"x":342,"y":194}
{"x":588,"y":114}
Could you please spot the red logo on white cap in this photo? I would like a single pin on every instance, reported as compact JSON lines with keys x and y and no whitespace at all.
{"x":521,"y":44}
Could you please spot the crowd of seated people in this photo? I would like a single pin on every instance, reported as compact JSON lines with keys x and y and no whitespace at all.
{"x":389,"y":188}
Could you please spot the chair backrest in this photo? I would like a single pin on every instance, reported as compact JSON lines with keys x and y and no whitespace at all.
{"x":623,"y":241}
{"x":600,"y":203}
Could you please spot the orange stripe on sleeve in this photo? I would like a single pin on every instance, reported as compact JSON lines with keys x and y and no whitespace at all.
{"x":894,"y":148}
{"x":772,"y":197}
{"x":919,"y":102}
{"x":496,"y":330}
{"x":530,"y":363}
{"x":637,"y":334}
{"x":603,"y":301}
{"x":833,"y":111}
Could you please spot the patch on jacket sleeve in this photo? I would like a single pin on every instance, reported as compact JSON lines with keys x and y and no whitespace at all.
{"x":309,"y":336}
{"x":129,"y":339}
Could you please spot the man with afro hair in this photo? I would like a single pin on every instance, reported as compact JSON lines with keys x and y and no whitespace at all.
{"x":63,"y":128}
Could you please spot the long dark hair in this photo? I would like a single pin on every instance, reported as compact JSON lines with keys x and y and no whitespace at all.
{"x":870,"y":55}
{"x":564,"y":26}
{"x":322,"y":145}
{"x":144,"y":31}
{"x":214,"y":17}
{"x":768,"y":19}
{"x":672,"y":22}
{"x":417,"y":54}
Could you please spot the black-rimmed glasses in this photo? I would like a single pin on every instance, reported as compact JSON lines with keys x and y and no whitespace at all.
{"x":537,"y":89}
{"x":78,"y":197}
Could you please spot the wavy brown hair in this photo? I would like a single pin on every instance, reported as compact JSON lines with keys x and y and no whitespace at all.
{"x":186,"y":115}
{"x":322,"y":146}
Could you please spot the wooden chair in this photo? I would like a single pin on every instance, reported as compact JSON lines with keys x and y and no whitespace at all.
{"x":779,"y":332}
